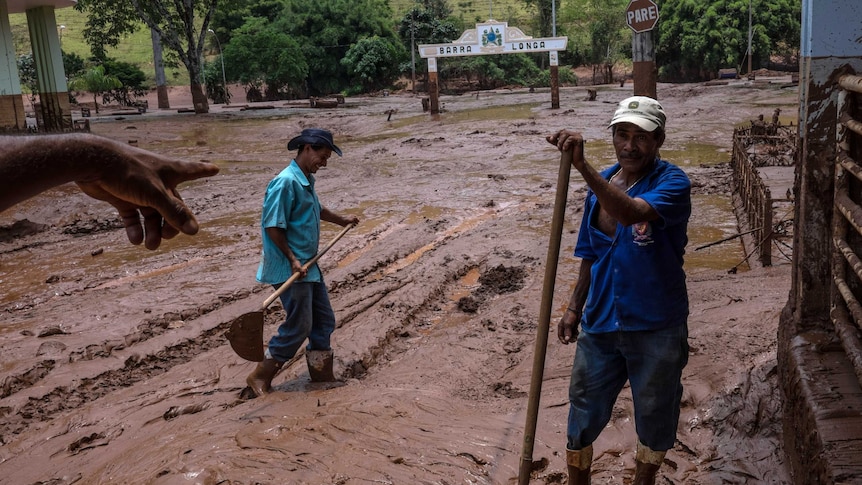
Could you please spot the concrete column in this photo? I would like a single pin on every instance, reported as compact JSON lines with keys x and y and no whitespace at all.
{"x":55,"y":109}
{"x":12,"y":116}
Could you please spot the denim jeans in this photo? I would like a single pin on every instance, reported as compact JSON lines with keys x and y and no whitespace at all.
{"x":309,"y":316}
{"x":652,"y":361}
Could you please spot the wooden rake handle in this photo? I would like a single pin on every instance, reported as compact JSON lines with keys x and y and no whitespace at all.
{"x":295,"y":276}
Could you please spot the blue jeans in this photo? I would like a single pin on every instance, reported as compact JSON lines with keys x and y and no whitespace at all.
{"x":309,"y":316}
{"x":652,"y":361}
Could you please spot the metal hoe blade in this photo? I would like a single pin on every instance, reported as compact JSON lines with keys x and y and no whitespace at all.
{"x":246,"y":336}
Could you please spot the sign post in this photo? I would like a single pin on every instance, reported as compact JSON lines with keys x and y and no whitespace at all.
{"x":641,"y":17}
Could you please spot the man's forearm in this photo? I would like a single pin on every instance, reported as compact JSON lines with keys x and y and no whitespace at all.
{"x":582,"y":287}
{"x":32,"y":164}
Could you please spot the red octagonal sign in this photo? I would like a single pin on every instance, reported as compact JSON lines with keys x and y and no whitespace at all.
{"x":642,"y":15}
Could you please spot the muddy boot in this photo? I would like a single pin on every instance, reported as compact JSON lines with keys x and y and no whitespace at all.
{"x":647,"y":463}
{"x":579,"y":463}
{"x":260,"y":380}
{"x":320,"y":365}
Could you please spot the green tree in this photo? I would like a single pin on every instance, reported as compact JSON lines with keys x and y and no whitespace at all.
{"x":598,"y":35}
{"x":72,"y":64}
{"x":228,"y":18}
{"x":182,"y":26}
{"x":326,"y":29}
{"x":439,"y":9}
{"x":263,"y":57}
{"x":696,"y":39}
{"x":427,"y":24}
{"x":132,"y":80}
{"x":544,"y":15}
{"x":95,"y":81}
{"x":373,"y":62}
{"x":216,"y":90}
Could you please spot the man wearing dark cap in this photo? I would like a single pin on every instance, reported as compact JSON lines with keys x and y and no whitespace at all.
{"x":291,"y":233}
{"x":630,"y":298}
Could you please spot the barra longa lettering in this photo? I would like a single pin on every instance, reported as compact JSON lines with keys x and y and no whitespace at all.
{"x":456,"y":49}
{"x":527,"y":45}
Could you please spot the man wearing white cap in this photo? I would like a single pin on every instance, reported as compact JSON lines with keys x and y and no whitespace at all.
{"x":630,"y":298}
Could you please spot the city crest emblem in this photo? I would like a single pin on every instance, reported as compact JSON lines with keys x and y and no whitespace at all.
{"x":492,"y":37}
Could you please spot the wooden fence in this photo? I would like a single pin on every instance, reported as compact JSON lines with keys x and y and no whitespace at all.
{"x":846,"y":313}
{"x":756,"y":146}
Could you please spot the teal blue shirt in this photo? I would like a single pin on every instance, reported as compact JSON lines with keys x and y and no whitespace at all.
{"x":290,"y":204}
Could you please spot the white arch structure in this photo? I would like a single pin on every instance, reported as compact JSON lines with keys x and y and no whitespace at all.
{"x":492,"y":37}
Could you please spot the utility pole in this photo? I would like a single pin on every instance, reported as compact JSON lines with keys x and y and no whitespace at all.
{"x":553,"y":18}
{"x":749,"y":36}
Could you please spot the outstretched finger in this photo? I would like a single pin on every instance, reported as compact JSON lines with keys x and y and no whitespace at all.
{"x":152,"y":227}
{"x":132,"y":223}
{"x":173,"y":210}
{"x":169,"y":231}
{"x":185,"y":171}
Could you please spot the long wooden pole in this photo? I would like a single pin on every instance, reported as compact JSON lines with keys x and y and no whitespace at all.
{"x":544,"y":321}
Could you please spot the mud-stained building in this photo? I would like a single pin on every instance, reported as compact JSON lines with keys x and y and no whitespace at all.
{"x":819,"y":355}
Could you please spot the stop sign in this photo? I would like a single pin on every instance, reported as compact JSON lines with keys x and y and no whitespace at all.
{"x":641,"y":15}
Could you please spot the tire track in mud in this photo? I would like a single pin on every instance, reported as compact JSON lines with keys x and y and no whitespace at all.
{"x":383,"y":275}
{"x":134,"y":370}
{"x":493,"y":281}
{"x":151,"y":328}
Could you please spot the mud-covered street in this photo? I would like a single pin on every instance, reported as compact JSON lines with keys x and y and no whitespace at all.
{"x":114,"y":367}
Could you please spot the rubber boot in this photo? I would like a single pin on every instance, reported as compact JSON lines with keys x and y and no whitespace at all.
{"x":260,"y":380}
{"x":320,"y":365}
{"x":579,"y":463}
{"x":647,"y":463}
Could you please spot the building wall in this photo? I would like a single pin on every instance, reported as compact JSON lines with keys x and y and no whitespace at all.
{"x":822,"y":396}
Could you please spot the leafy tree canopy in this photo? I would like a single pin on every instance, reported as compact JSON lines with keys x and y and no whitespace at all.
{"x":95,"y":81}
{"x":132,"y":81}
{"x":371,"y":62}
{"x":696,"y":39}
{"x":262,"y":56}
{"x":326,"y":29}
{"x":228,"y":18}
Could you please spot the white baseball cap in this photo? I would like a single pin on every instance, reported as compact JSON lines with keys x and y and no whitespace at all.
{"x":640,"y":110}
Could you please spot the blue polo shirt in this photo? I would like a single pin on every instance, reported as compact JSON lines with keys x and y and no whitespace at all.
{"x":291,"y":204}
{"x":637,"y":278}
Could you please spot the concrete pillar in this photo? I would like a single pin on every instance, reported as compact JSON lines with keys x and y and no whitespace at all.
{"x":11,"y":103}
{"x":56,"y":111}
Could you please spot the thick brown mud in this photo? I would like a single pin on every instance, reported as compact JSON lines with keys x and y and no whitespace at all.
{"x":114,"y":367}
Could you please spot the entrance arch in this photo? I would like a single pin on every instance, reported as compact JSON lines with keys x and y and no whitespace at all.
{"x":492,"y":37}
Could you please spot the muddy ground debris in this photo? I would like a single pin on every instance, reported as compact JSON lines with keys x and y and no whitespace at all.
{"x":436,"y":294}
